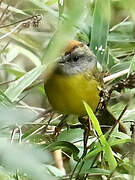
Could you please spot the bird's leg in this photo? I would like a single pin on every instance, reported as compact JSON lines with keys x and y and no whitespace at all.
{"x":60,"y":125}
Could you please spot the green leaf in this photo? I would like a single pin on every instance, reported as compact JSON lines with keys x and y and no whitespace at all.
{"x":96,"y":171}
{"x":12,"y":68}
{"x":71,"y":135}
{"x":42,"y":5}
{"x":22,"y":40}
{"x":4,"y":100}
{"x":22,"y":50}
{"x":106,"y":147}
{"x":98,"y":148}
{"x":120,"y":67}
{"x":32,"y":132}
{"x":109,"y":60}
{"x":61,"y":8}
{"x":132,"y":66}
{"x":51,"y":2}
{"x":64,"y":145}
{"x":55,"y":171}
{"x":119,"y":141}
{"x":66,"y":30}
{"x":13,"y":9}
{"x":100,"y":28}
{"x":16,"y":88}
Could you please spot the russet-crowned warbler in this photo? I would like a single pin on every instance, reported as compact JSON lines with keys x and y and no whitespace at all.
{"x":75,"y":79}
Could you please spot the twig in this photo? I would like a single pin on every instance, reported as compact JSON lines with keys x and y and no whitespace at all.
{"x":117,"y":25}
{"x":13,"y":30}
{"x":7,"y":82}
{"x":20,"y":21}
{"x":37,"y":130}
{"x":117,"y":121}
{"x":20,"y":134}
{"x":116,"y":75}
{"x":48,"y":123}
{"x":22,"y":98}
{"x":45,"y":112}
{"x":13,"y":134}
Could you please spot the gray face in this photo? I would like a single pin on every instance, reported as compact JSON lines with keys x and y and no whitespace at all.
{"x":78,"y":61}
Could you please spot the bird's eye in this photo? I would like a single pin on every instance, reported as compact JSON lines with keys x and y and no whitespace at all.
{"x":72,"y":58}
{"x":75,"y":58}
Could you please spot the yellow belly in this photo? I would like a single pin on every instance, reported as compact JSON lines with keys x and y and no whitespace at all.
{"x":66,"y":93}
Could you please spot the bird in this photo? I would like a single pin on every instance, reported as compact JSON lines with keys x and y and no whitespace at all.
{"x":74,"y":79}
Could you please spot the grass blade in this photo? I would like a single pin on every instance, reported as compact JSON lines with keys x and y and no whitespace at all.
{"x":16,"y":88}
{"x":107,"y":149}
{"x":100,"y":28}
{"x":132,"y":66}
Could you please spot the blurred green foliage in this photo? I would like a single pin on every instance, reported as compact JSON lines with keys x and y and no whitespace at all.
{"x":33,"y":34}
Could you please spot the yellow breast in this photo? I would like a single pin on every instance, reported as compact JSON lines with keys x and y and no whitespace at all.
{"x":66,"y":93}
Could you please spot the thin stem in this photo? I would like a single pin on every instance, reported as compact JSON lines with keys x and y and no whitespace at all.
{"x":13,"y":30}
{"x":7,"y":82}
{"x":20,"y":134}
{"x":117,"y":121}
{"x":13,"y":134}
{"x":116,"y":75}
{"x":21,"y":21}
{"x":74,"y":169}
{"x":117,"y":25}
